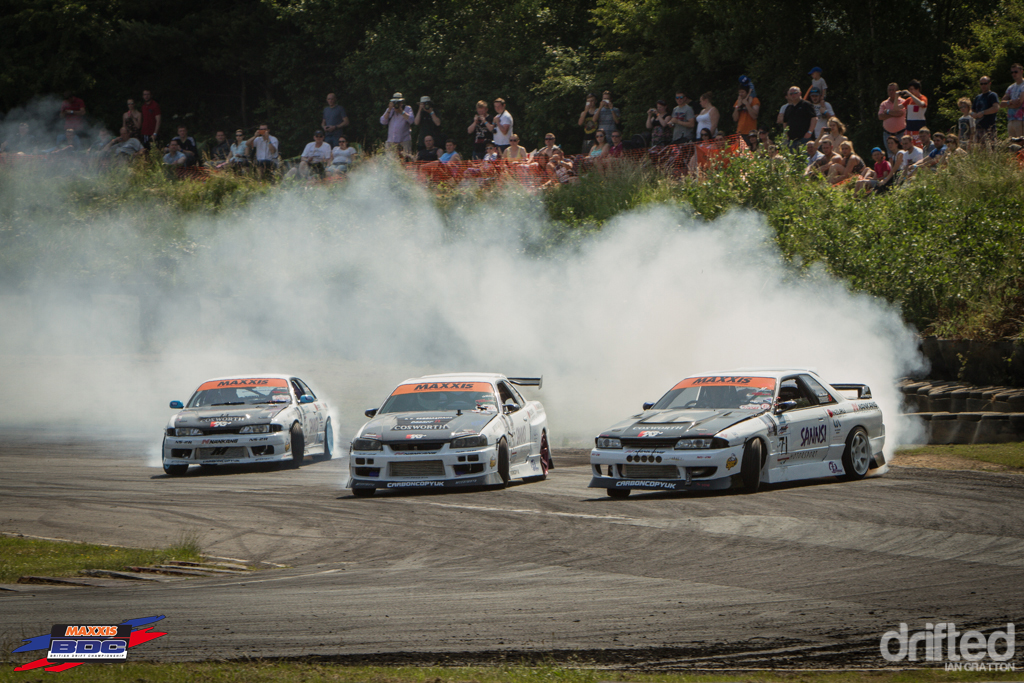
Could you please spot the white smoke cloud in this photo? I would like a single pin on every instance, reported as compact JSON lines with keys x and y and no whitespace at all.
{"x":359,"y":287}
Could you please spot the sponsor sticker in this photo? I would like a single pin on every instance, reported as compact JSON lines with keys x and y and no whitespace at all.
{"x":731,"y":462}
{"x":442,"y":386}
{"x":422,"y":423}
{"x":69,"y":645}
{"x":723,"y":381}
{"x":243,"y":383}
{"x":813,"y":435}
{"x":646,"y":434}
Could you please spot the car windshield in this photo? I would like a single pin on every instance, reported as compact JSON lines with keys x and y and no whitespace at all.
{"x":720,"y":393}
{"x":240,"y":392}
{"x":433,"y":396}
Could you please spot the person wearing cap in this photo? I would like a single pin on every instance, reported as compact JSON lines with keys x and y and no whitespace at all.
{"x":881,"y":170}
{"x":429,"y":123}
{"x":745,"y":110}
{"x":822,"y":112}
{"x":398,"y":118}
{"x":315,"y":156}
{"x":818,"y":82}
{"x":658,"y":120}
{"x":683,"y":120}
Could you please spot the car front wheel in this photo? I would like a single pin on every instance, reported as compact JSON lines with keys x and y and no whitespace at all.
{"x":750,"y":468}
{"x":175,"y":470}
{"x":298,"y":445}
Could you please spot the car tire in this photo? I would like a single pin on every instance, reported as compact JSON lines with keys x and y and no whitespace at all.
{"x":618,"y":493}
{"x":175,"y":470}
{"x":503,"y":466}
{"x":328,"y":442}
{"x":546,"y":462}
{"x":298,"y":445}
{"x":750,"y":468}
{"x":363,"y":493}
{"x":856,"y":456}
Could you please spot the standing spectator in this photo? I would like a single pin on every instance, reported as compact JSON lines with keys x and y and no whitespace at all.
{"x":607,"y":114}
{"x":150,"y":119}
{"x":588,"y":122}
{"x":222,"y":150}
{"x":239,"y":151}
{"x":822,"y":112}
{"x":501,"y":125}
{"x":745,"y":111}
{"x":187,"y":145}
{"x":174,"y":157}
{"x":429,"y":151}
{"x":799,"y":119}
{"x":479,"y":131}
{"x":965,"y":124}
{"x":72,"y":111}
{"x":132,"y":120}
{"x":683,"y":120}
{"x":23,"y":142}
{"x":708,"y":116}
{"x":916,"y":104}
{"x":818,"y":82}
{"x":334,"y":119}
{"x":315,"y":156}
{"x":984,"y":108}
{"x":1013,"y":101}
{"x":267,"y":151}
{"x":125,"y":147}
{"x":398,"y":118}
{"x":836,"y":132}
{"x":513,"y":152}
{"x":342,"y":156}
{"x":658,"y":120}
{"x":429,"y":122}
{"x":892,"y":113}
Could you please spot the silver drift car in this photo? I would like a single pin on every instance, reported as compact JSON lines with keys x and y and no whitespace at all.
{"x":247,"y":419}
{"x":451,"y":430}
{"x":717,"y":430}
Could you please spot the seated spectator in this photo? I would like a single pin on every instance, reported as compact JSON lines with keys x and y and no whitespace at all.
{"x":850,"y":166}
{"x":835,"y":131}
{"x":911,"y":154}
{"x":450,"y":154}
{"x":22,"y":142}
{"x":268,"y":153}
{"x":966,"y":124}
{"x":187,"y":146}
{"x":599,"y":149}
{"x":429,"y":151}
{"x":514,"y":152}
{"x":239,"y":158}
{"x":342,"y":157}
{"x":315,"y":157}
{"x":560,"y":169}
{"x":823,"y":161}
{"x":175,"y":158}
{"x":546,"y":151}
{"x":67,"y":143}
{"x":705,"y":135}
{"x":222,"y":150}
{"x":125,"y":147}
{"x":953,"y":148}
{"x":491,"y":152}
{"x":938,"y":153}
{"x":445,"y":167}
{"x":658,"y":122}
{"x":616,"y":150}
{"x":924,"y":141}
{"x":99,"y":146}
{"x":873,"y":176}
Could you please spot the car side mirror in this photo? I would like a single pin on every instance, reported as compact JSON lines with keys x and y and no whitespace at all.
{"x":306,"y":398}
{"x":370,"y":413}
{"x":510,"y":405}
{"x":177,"y":405}
{"x":648,"y":406}
{"x":784,"y":406}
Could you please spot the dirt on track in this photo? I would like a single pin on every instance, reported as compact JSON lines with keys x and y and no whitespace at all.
{"x":805,"y":575}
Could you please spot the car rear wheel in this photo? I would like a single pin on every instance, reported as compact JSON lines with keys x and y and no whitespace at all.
{"x":857,"y":456}
{"x":175,"y":470}
{"x":363,"y":493}
{"x":298,"y":445}
{"x":750,"y":468}
{"x":618,"y":493}
{"x":503,"y":468}
{"x":545,"y":460}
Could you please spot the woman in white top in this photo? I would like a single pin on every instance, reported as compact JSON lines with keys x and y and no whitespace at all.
{"x":708,"y":116}
{"x":342,"y":157}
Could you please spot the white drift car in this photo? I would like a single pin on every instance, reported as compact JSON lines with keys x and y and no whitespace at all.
{"x":451,"y":431}
{"x":247,"y":419}
{"x":761,"y":426}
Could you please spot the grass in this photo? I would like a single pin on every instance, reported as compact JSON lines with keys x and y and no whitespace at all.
{"x":1008,"y":454}
{"x":21,"y":556}
{"x":279,"y":672}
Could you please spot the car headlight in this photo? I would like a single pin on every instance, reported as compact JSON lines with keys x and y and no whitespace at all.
{"x":188,"y":431}
{"x":366,"y":445}
{"x":606,"y":442}
{"x":474,"y":441}
{"x":255,"y":429}
{"x":706,"y":442}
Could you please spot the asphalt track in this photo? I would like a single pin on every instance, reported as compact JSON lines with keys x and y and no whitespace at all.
{"x":806,"y":575}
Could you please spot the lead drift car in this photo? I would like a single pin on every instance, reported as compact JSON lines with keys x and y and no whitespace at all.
{"x":712,"y":431}
{"x":451,"y":431}
{"x":246,"y":419}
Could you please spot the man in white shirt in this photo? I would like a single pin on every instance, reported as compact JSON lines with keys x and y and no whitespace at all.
{"x":822,"y":112}
{"x":315,"y":157}
{"x":124,"y":147}
{"x":501,"y":125}
{"x":265,"y":144}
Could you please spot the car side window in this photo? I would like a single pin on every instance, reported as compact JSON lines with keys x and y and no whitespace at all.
{"x":306,"y":389}
{"x":820,"y":393}
{"x":296,"y":388}
{"x":505,"y":393}
{"x":791,"y":390}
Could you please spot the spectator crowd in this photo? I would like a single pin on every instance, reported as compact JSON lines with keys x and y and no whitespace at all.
{"x":683,"y":137}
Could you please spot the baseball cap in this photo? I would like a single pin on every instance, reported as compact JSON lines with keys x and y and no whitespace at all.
{"x":817,"y":68}
{"x":815,"y":90}
{"x":397,"y":97}
{"x":877,"y":149}
{"x":662,"y":103}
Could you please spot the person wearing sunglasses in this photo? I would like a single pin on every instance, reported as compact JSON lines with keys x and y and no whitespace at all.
{"x":239,"y":158}
{"x":315,"y":157}
{"x":1013,"y":102}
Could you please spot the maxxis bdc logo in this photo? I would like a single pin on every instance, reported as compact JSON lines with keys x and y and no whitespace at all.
{"x":69,"y":645}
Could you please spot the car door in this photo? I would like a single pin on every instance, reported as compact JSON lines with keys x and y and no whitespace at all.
{"x":307,"y":417}
{"x":317,"y":416}
{"x":518,"y":422}
{"x":837,"y":430}
{"x":808,"y":432}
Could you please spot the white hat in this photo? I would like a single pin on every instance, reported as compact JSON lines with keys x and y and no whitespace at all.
{"x":425,"y":98}
{"x":397,"y":97}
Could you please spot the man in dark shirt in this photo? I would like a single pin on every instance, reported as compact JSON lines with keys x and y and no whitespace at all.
{"x":983,"y":110}
{"x":429,"y":123}
{"x":334,"y":120}
{"x":188,"y":146}
{"x":429,"y":152}
{"x":799,"y":118}
{"x":150,"y":119}
{"x":23,"y":142}
{"x":222,"y":149}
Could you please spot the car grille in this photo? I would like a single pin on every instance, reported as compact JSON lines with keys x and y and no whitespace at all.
{"x":232,"y":452}
{"x":649,"y":443}
{"x":416,"y":446}
{"x":650,"y":472}
{"x":417,"y":468}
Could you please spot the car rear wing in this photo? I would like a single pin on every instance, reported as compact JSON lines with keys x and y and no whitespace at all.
{"x":528,"y":381}
{"x":863,"y":390}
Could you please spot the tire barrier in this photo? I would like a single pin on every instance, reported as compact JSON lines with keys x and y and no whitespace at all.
{"x":960,"y":413}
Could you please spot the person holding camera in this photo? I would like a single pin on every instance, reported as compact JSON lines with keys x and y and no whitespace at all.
{"x":683,"y":120}
{"x":478,"y":129}
{"x":588,"y":122}
{"x":917,"y":105}
{"x":659,"y":123}
{"x":745,"y":110}
{"x":429,"y":123}
{"x":267,"y":151}
{"x":607,"y":115}
{"x":398,"y":118}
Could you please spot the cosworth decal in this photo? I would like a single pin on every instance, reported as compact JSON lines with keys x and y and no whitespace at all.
{"x":422,"y":423}
{"x":757,"y":382}
{"x":243,"y":383}
{"x":813,"y":435}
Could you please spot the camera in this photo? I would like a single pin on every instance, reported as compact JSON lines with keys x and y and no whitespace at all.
{"x":652,"y":111}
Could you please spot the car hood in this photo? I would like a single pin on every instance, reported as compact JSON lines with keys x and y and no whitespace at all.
{"x":240,"y":415}
{"x":433,"y":425}
{"x":667,"y":424}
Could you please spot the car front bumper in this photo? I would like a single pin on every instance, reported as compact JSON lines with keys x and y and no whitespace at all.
{"x":445,"y":468}
{"x":663,"y":469}
{"x":227,"y":449}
